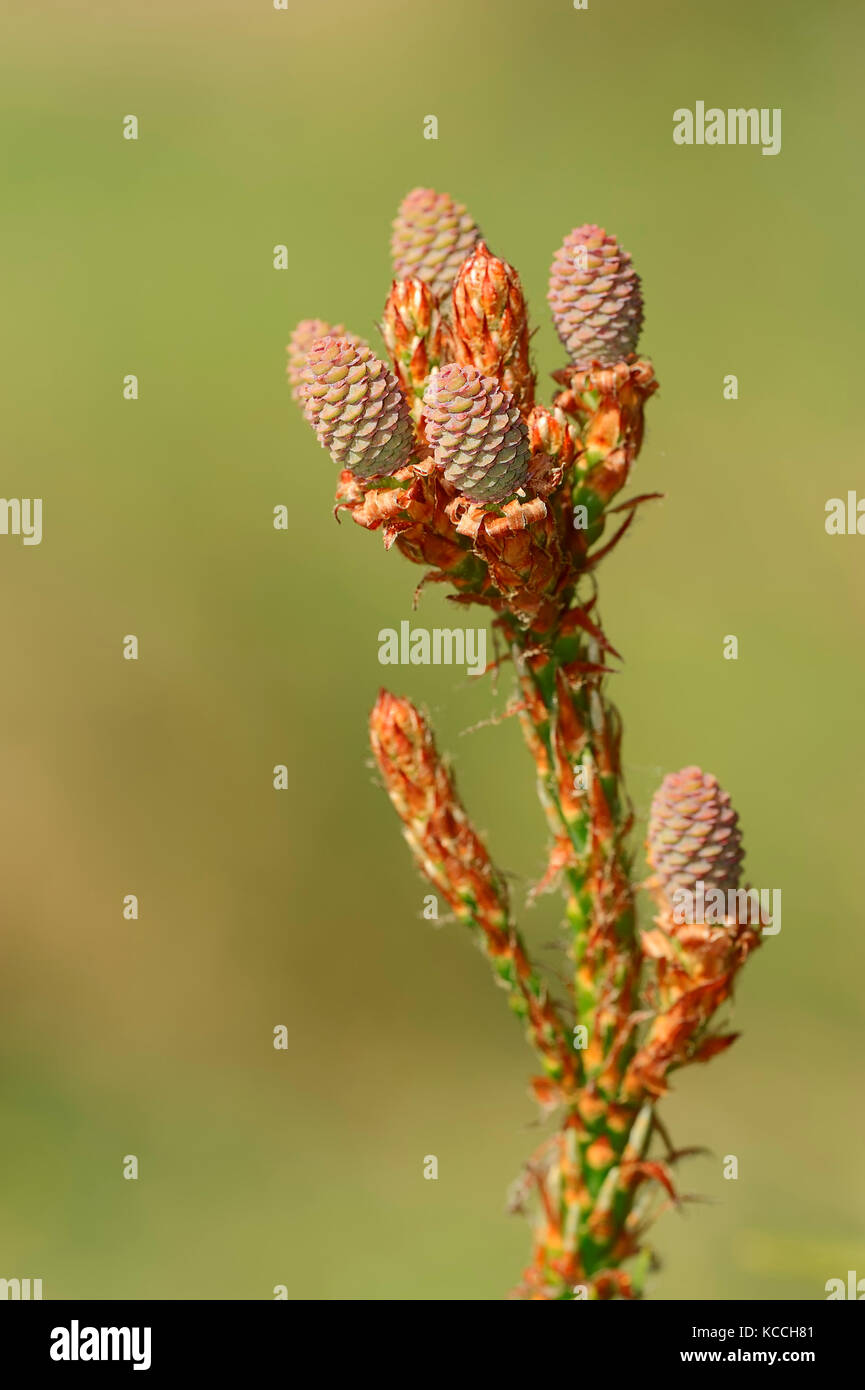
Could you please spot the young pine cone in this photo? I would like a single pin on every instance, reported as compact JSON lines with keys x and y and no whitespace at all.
{"x":595,"y":297}
{"x":694,"y":833}
{"x":479,"y":438}
{"x":302,"y":340}
{"x":432,"y":235}
{"x":356,"y":408}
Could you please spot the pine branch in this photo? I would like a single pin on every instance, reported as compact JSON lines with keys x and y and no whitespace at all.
{"x":506,"y":500}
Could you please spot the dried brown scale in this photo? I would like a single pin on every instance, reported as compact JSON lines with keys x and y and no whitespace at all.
{"x":422,"y":521}
{"x":676,"y":1036}
{"x":413,"y":515}
{"x":608,"y":402}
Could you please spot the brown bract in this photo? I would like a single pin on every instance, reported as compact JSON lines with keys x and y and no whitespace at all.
{"x":608,"y":404}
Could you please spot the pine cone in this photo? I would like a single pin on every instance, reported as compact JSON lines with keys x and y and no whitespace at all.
{"x":356,"y":408}
{"x":490,"y":323}
{"x":694,"y":833}
{"x":595,"y":297}
{"x":302,"y":340}
{"x":479,"y":437}
{"x":432,"y":235}
{"x":415,"y":336}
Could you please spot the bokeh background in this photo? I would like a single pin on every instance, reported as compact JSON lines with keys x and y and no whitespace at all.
{"x":305,"y":127}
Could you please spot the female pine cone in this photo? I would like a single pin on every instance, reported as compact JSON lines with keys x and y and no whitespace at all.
{"x":356,"y":408}
{"x":301,"y":340}
{"x":432,"y":235}
{"x":694,"y":834}
{"x":595,"y":297}
{"x":477,"y":433}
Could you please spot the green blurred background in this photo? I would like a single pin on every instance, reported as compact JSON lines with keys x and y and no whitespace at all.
{"x":304,"y":1167}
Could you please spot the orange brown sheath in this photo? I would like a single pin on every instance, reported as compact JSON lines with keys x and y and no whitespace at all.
{"x":696,"y":966}
{"x":416,"y":337}
{"x":490,"y":324}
